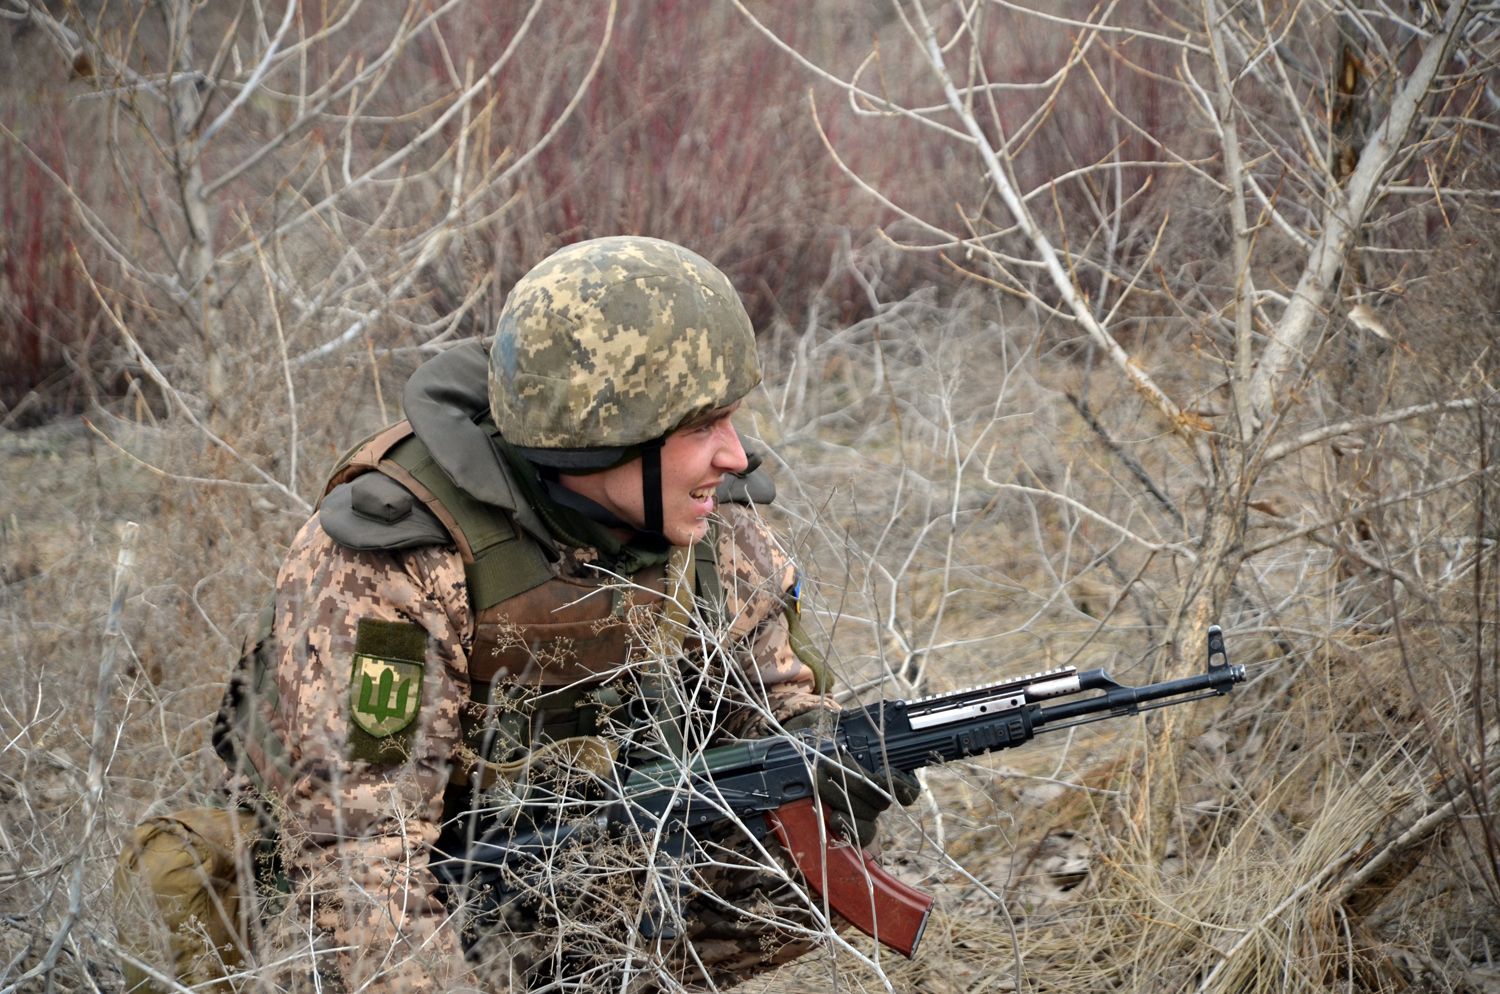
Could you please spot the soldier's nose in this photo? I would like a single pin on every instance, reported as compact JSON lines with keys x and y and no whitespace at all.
{"x":731,"y":454}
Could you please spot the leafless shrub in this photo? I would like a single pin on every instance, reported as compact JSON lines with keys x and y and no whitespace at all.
{"x":47,"y":316}
{"x":1236,"y":340}
{"x":1129,"y":421}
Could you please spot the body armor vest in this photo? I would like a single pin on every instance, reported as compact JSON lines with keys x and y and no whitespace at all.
{"x":532,"y":625}
{"x":545,"y":645}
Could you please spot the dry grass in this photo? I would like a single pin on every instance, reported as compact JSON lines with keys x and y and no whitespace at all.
{"x":1324,"y":833}
{"x":1283,"y":795}
{"x":1331,"y":825}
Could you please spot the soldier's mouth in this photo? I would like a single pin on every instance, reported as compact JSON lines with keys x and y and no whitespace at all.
{"x":704,"y":497}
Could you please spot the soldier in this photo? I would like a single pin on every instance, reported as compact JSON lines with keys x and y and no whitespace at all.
{"x":555,"y":562}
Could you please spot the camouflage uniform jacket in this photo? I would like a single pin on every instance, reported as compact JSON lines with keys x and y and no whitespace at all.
{"x":364,"y":778}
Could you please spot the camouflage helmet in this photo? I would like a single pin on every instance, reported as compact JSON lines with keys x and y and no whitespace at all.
{"x":611,"y":343}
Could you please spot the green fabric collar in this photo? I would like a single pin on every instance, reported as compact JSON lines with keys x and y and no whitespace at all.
{"x":574,"y":529}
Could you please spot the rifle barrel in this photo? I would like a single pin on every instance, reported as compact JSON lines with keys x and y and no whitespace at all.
{"x":1122,"y":700}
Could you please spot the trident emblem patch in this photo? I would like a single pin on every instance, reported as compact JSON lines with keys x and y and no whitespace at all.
{"x":385,"y":689}
{"x":384,"y":694}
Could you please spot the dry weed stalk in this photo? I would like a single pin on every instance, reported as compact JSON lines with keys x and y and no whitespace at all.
{"x":1149,"y":410}
{"x":1232,"y":298}
{"x":1092,"y":272}
{"x":295,"y":160}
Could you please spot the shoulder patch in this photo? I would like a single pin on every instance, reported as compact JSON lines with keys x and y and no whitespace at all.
{"x":385,"y":689}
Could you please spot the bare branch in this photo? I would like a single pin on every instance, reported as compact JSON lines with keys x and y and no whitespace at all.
{"x":1345,"y":213}
{"x":1323,"y":433}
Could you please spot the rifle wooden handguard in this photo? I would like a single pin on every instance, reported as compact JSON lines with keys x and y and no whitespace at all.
{"x":850,"y":880}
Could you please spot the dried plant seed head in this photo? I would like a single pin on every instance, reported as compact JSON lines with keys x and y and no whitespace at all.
{"x":613,"y":342}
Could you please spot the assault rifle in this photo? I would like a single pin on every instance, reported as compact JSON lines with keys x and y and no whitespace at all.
{"x":769,"y":786}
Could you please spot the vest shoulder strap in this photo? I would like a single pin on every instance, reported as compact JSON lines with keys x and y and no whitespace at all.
{"x":366,"y":455}
{"x":362,"y":508}
{"x":499,"y":561}
{"x":708,"y":586}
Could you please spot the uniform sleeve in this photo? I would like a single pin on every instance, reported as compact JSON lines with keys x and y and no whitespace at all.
{"x":757,"y":574}
{"x":371,"y":676}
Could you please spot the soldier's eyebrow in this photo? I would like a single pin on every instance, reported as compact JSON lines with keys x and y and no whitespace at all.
{"x":708,"y":417}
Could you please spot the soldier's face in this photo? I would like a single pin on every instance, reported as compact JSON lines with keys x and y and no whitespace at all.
{"x":694,"y":461}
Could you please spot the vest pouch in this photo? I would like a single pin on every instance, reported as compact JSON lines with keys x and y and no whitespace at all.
{"x":566,"y":633}
{"x":519,"y":731}
{"x":184,"y":895}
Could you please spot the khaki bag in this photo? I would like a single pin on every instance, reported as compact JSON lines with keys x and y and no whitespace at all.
{"x":181,"y":886}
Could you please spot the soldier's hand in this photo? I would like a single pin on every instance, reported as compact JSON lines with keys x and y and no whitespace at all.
{"x":854,"y":796}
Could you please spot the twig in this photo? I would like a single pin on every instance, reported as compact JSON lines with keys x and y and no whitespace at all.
{"x":98,"y":747}
{"x":1131,"y":463}
{"x":439,"y":239}
{"x":167,"y":388}
{"x":1344,"y":213}
{"x":1000,"y":179}
{"x":1283,"y":449}
{"x":1093,"y":515}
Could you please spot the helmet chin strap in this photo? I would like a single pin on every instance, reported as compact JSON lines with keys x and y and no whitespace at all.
{"x":651,"y":484}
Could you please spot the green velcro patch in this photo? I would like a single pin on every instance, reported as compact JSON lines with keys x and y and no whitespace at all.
{"x":385,"y":689}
